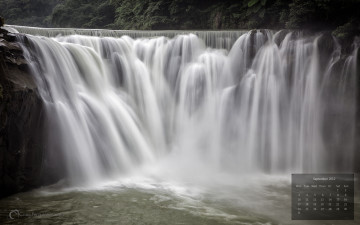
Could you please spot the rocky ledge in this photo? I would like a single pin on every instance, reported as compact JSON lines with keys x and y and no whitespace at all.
{"x":21,"y":121}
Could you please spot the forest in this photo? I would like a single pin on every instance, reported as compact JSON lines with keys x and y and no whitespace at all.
{"x":338,"y":16}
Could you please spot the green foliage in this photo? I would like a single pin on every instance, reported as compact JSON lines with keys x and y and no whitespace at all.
{"x":129,"y":14}
{"x":252,"y":2}
{"x":302,"y":13}
{"x":160,"y":14}
{"x":321,"y":14}
{"x":340,"y":16}
{"x":347,"y":31}
{"x":27,"y":12}
{"x":83,"y":13}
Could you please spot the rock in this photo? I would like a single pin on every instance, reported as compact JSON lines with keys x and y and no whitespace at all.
{"x":7,"y":36}
{"x":5,"y":45}
{"x":10,"y":37}
{"x":21,"y":121}
{"x":357,"y":153}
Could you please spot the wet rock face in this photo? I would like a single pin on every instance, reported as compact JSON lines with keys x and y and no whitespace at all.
{"x":357,"y":137}
{"x":21,"y":121}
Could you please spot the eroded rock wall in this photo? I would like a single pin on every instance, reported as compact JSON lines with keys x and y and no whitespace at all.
{"x":21,"y":121}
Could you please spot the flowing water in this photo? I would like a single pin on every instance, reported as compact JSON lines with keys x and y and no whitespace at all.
{"x":189,"y":127}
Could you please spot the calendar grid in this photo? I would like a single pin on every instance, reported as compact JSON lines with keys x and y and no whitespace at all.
{"x":322,"y":196}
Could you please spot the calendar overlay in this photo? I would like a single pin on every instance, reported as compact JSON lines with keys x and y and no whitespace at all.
{"x":322,"y":196}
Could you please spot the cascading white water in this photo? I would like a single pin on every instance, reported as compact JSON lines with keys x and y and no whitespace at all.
{"x":275,"y":102}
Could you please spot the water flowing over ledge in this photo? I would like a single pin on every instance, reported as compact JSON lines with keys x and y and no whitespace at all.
{"x":274,"y":102}
{"x":214,"y":39}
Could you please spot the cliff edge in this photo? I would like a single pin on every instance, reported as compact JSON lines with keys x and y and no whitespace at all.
{"x":21,"y":121}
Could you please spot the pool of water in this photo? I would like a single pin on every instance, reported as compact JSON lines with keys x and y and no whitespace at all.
{"x":147,"y":200}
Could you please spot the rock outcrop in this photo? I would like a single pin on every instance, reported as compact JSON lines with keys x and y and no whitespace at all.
{"x":21,"y":121}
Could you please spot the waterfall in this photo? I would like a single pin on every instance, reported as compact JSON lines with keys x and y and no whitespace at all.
{"x":234,"y":101}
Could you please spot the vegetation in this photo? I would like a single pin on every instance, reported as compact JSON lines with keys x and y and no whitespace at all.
{"x":27,"y":12}
{"x":83,"y":14}
{"x":340,"y":16}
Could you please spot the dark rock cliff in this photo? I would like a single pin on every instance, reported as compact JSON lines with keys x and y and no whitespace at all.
{"x":21,"y":121}
{"x":357,"y":137}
